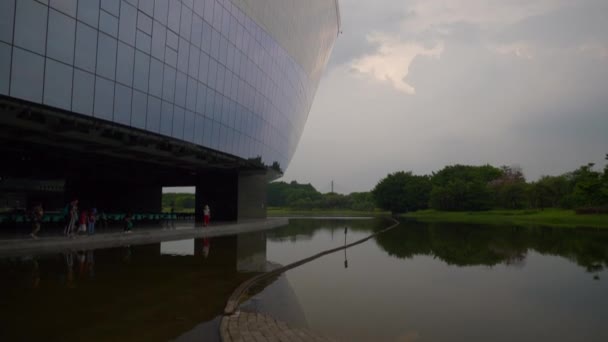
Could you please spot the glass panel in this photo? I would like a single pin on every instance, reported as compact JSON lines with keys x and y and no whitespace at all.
{"x":104,"y":99}
{"x":193,"y":61}
{"x":153,"y":117}
{"x":88,"y":11}
{"x":175,"y":8}
{"x":172,"y":40}
{"x":208,"y":135}
{"x":108,"y":24}
{"x":199,"y":129}
{"x":5,"y":67}
{"x":159,"y":37}
{"x":83,"y":92}
{"x":30,"y":26}
{"x":203,"y":69}
{"x":66,"y":6}
{"x":143,"y":42}
{"x":215,"y":44}
{"x":184,"y":53}
{"x":58,"y":85}
{"x":186,"y":23}
{"x":189,"y":126}
{"x":181,"y":88}
{"x":138,"y":113}
{"x":144,"y":23}
{"x":27,"y":75}
{"x":142,"y":71}
{"x":197,"y":31}
{"x":191,"y":94}
{"x":7,"y":16}
{"x":147,"y":6}
{"x":125,"y":63}
{"x":156,"y":77}
{"x":201,"y":98}
{"x":122,"y":105}
{"x":166,"y":119}
{"x":208,"y":14}
{"x":128,"y":22}
{"x":206,"y":41}
{"x":112,"y":6}
{"x":86,"y":47}
{"x":161,"y":8}
{"x":178,"y":122}
{"x":169,"y":83}
{"x":106,"y":56}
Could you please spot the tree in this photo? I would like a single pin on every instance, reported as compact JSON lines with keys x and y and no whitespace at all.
{"x":401,"y":192}
{"x":510,"y":188}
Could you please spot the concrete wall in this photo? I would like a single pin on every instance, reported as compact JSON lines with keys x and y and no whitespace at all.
{"x":252,"y":195}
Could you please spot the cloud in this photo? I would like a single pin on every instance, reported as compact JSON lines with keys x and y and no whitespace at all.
{"x":391,"y":62}
{"x":517,"y":49}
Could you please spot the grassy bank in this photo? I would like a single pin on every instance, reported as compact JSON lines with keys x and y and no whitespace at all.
{"x":548,"y":217}
{"x":275,"y":211}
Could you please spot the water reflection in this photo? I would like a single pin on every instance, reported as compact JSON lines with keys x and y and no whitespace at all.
{"x":152,"y":292}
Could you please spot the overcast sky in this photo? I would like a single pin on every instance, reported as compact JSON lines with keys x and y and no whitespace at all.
{"x":420,"y":84}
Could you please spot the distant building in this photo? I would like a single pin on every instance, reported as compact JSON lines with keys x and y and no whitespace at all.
{"x":117,"y":98}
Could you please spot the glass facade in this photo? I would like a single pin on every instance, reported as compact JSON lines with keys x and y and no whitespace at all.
{"x":202,"y":71}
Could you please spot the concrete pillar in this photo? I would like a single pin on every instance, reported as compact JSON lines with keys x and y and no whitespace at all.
{"x":252,"y":195}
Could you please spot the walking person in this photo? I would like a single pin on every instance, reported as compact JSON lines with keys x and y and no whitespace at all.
{"x":92,"y":219}
{"x":37,"y":214}
{"x":206,"y":215}
{"x":83,"y":221}
{"x":128,"y":223}
{"x":72,"y":218}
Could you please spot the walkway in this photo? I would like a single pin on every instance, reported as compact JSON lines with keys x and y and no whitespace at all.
{"x":182,"y":231}
{"x":249,"y":326}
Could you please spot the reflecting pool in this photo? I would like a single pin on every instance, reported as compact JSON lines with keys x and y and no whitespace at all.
{"x":418,"y":282}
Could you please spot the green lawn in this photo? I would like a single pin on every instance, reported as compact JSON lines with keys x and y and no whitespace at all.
{"x":548,"y":217}
{"x":275,"y":211}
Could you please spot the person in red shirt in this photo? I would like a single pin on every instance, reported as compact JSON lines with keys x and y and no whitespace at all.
{"x":83,"y":221}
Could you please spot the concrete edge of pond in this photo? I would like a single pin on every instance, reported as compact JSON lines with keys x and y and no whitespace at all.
{"x":20,"y":247}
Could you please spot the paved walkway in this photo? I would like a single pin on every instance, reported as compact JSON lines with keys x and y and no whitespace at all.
{"x":250,"y":326}
{"x":182,"y":231}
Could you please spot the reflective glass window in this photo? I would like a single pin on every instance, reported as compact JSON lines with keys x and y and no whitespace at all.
{"x":156,"y":77}
{"x":122,"y":105}
{"x":27,"y":75}
{"x":112,"y":6}
{"x":210,"y":103}
{"x":108,"y":24}
{"x":217,"y":17}
{"x":201,"y":98}
{"x":159,"y":37}
{"x":223,"y":50}
{"x":144,"y":23}
{"x":178,"y":122}
{"x":208,"y":14}
{"x":212,"y":77}
{"x":7,"y":15}
{"x":172,"y":40}
{"x":197,"y":31}
{"x":86,"y":47}
{"x":191,"y":94}
{"x":225,"y":22}
{"x":5,"y":67}
{"x":189,"y":126}
{"x":88,"y":12}
{"x":181,"y":89}
{"x":125,"y":64}
{"x":175,"y":8}
{"x":203,"y":69}
{"x":128,"y":24}
{"x":161,"y":8}
{"x":166,"y":118}
{"x":60,"y":40}
{"x":199,"y":7}
{"x":142,"y":71}
{"x":147,"y":6}
{"x":66,"y":6}
{"x":186,"y":23}
{"x":104,"y":99}
{"x":199,"y":129}
{"x":193,"y":61}
{"x":30,"y":25}
{"x":139,"y":109}
{"x":153,"y":114}
{"x":215,"y":44}
{"x":215,"y":137}
{"x":58,"y":85}
{"x":171,"y":56}
{"x":106,"y":56}
{"x":206,"y":41}
{"x":83,"y":92}
{"x":169,"y":83}
{"x":219,"y":85}
{"x":208,"y":135}
{"x":143,"y":42}
{"x":183,"y":54}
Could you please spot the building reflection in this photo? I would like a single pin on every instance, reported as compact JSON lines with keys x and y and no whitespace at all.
{"x":150,"y":292}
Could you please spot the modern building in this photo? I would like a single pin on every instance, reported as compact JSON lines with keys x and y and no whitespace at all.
{"x":110,"y":100}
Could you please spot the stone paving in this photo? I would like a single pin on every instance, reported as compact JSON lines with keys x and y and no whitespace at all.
{"x":26,"y":246}
{"x":256,"y":327}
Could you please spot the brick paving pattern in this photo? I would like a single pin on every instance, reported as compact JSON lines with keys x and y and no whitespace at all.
{"x":257,"y":327}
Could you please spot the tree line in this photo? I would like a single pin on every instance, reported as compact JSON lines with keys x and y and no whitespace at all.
{"x":305,"y":197}
{"x":477,"y":188}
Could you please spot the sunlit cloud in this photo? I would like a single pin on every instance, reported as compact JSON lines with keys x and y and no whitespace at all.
{"x":391,"y":62}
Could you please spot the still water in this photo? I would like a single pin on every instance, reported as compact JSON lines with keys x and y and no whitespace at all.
{"x":418,"y":282}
